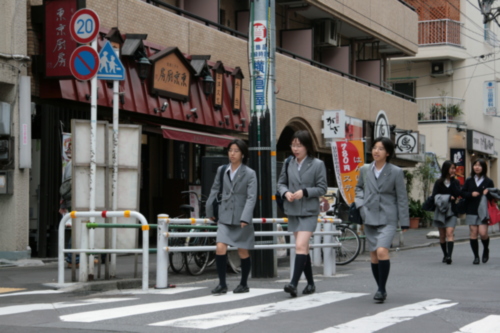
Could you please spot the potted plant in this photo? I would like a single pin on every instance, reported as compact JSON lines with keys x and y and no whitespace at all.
{"x":416,"y":213}
{"x":437,"y":111}
{"x":421,"y":116}
{"x":454,"y":110}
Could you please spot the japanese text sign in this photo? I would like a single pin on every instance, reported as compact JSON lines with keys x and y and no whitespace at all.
{"x":348,"y":157}
{"x":334,"y":124}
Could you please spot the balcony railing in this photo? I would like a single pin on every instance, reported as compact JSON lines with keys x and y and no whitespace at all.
{"x":439,"y":32}
{"x":440,"y":109}
{"x":491,"y":38}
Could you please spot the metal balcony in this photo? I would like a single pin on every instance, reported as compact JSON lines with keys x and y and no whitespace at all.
{"x":439,"y":32}
{"x":441,"y":109}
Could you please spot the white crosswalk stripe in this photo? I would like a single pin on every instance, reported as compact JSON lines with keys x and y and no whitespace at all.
{"x":490,"y":324}
{"x":8,"y":310}
{"x":222,"y":318}
{"x":390,"y":317}
{"x":99,"y":315}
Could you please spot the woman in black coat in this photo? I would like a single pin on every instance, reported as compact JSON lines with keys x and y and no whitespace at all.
{"x":474,"y":188}
{"x":447,"y":185}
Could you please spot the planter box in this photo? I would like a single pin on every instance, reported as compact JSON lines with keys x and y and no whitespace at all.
{"x":414,"y":222}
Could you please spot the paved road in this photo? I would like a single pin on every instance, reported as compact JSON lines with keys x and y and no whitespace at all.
{"x":424,"y":295}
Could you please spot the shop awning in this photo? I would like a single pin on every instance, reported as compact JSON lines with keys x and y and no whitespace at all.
{"x":181,"y":134}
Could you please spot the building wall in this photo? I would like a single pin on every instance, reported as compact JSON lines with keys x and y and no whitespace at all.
{"x":304,"y":91}
{"x":14,"y":221}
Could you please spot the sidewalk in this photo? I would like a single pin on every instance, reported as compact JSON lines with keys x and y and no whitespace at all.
{"x":36,"y":274}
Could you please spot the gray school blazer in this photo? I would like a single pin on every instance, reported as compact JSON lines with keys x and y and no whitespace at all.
{"x":312,"y":177}
{"x":238,"y":196}
{"x":384,"y":200}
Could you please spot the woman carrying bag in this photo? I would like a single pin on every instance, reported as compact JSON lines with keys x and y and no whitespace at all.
{"x":475,"y":187}
{"x":448,"y":188}
{"x":382,"y":200}
{"x":239,"y":195}
{"x":300,"y":186}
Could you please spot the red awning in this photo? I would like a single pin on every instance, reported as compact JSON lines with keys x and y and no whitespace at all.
{"x":181,"y":134}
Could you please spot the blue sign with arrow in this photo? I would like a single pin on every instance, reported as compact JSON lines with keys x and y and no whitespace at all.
{"x":110,"y":66}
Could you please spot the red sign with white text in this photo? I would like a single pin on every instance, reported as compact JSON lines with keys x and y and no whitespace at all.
{"x":58,"y":42}
{"x":348,"y":158}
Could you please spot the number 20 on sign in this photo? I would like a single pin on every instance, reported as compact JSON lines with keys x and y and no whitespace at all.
{"x":84,"y":26}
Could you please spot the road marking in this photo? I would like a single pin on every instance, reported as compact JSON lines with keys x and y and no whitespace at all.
{"x":168,"y":291}
{"x":228,"y":317}
{"x":8,"y":290}
{"x":34,"y":292}
{"x":390,"y":317}
{"x":8,"y":310}
{"x":98,"y":315}
{"x":490,"y":324}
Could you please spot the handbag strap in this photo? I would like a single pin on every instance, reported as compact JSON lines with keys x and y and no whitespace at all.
{"x":287,"y":162}
{"x":221,"y":180}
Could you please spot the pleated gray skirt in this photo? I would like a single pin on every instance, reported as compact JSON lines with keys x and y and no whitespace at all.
{"x":474,"y":220}
{"x":235,"y":235}
{"x":379,"y":236}
{"x":450,"y":222}
{"x":302,"y":223}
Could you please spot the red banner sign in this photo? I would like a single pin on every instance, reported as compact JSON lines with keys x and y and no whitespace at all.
{"x":58,"y":42}
{"x":348,"y":158}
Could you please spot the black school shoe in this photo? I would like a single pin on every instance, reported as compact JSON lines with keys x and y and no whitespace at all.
{"x":486,"y":256}
{"x":291,"y":289}
{"x":380,"y":296}
{"x":241,"y":289}
{"x":309,"y":289}
{"x":219,"y":290}
{"x":476,"y":261}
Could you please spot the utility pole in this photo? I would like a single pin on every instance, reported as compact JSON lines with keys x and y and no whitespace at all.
{"x":262,"y":135}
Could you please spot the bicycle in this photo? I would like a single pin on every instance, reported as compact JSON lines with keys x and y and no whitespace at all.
{"x":348,"y":238}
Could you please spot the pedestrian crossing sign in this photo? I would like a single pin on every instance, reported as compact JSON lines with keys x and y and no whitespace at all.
{"x":110,"y":66}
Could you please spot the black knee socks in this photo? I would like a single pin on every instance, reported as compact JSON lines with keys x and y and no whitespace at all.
{"x":221,"y":263}
{"x":486,"y":244}
{"x":450,"y":248}
{"x":474,"y":244}
{"x":384,"y":267}
{"x":308,"y":272}
{"x":443,"y":247}
{"x":375,"y":272}
{"x":300,"y":263}
{"x":246,"y":264}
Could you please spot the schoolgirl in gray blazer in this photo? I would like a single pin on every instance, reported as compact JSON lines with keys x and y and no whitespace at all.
{"x":301,"y":186}
{"x":383,"y":202}
{"x":239,"y":195}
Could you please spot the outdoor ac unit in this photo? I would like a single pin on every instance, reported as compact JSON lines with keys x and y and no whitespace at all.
{"x":326,"y":33}
{"x":441,"y":68}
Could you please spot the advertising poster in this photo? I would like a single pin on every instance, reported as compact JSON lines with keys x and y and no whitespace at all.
{"x":348,"y":158}
{"x":458,"y":157}
{"x":66,"y":156}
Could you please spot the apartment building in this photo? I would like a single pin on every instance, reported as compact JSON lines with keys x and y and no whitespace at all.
{"x":332,"y":55}
{"x":454,"y":80}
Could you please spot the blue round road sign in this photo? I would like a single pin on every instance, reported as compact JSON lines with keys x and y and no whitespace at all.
{"x":84,"y":63}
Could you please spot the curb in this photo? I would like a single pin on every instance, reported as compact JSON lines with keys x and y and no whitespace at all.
{"x":457,"y":240}
{"x":99,"y":286}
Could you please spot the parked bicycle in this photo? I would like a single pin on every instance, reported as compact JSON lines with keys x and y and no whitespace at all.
{"x":348,"y":238}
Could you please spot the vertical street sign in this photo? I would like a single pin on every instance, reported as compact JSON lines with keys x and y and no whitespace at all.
{"x":110,"y":66}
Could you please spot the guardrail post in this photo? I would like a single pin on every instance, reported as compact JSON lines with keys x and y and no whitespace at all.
{"x":60,"y":251}
{"x":327,"y":252}
{"x":292,"y":255}
{"x":84,"y":244}
{"x":161,"y":254}
{"x":317,"y":251}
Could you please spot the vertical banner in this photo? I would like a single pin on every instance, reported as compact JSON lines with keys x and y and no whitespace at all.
{"x":490,"y":98}
{"x":259,"y":56}
{"x":348,"y":158}
{"x":66,"y":155}
{"x":458,"y":157}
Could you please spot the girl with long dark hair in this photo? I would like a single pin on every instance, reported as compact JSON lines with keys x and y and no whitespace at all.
{"x":475,"y":187}
{"x":447,"y":187}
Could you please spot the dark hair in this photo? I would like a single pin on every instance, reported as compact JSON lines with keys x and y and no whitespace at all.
{"x":242,"y":146}
{"x":388,"y":146}
{"x":305,"y":139}
{"x":445,"y":170}
{"x":483,"y":165}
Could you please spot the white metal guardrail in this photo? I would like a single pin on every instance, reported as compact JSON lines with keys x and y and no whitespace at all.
{"x":84,"y":244}
{"x":163,"y":248}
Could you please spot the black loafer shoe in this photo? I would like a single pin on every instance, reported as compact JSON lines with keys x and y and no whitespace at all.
{"x":444,"y":259}
{"x":380,"y":296}
{"x":291,"y":289}
{"x":309,"y":289}
{"x":476,"y":261}
{"x":219,"y":290}
{"x":486,"y":256}
{"x":241,"y":289}
{"x":448,"y":260}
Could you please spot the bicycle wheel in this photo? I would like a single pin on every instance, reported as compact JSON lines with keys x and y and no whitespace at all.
{"x":196,"y":262}
{"x":350,"y":246}
{"x":176,"y":258}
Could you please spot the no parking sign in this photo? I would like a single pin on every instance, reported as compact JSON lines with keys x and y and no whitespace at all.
{"x":84,"y":63}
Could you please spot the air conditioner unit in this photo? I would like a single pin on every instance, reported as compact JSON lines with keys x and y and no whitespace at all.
{"x":441,"y":68}
{"x":327,"y":33}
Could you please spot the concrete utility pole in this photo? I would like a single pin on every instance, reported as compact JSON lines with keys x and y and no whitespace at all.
{"x":262,"y":135}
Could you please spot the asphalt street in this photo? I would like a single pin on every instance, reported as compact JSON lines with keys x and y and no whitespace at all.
{"x":424,"y":295}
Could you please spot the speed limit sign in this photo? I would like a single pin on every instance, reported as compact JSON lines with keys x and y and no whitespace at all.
{"x":84,"y":26}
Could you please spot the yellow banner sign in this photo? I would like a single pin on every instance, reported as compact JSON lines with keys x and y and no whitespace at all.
{"x":348,"y":158}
